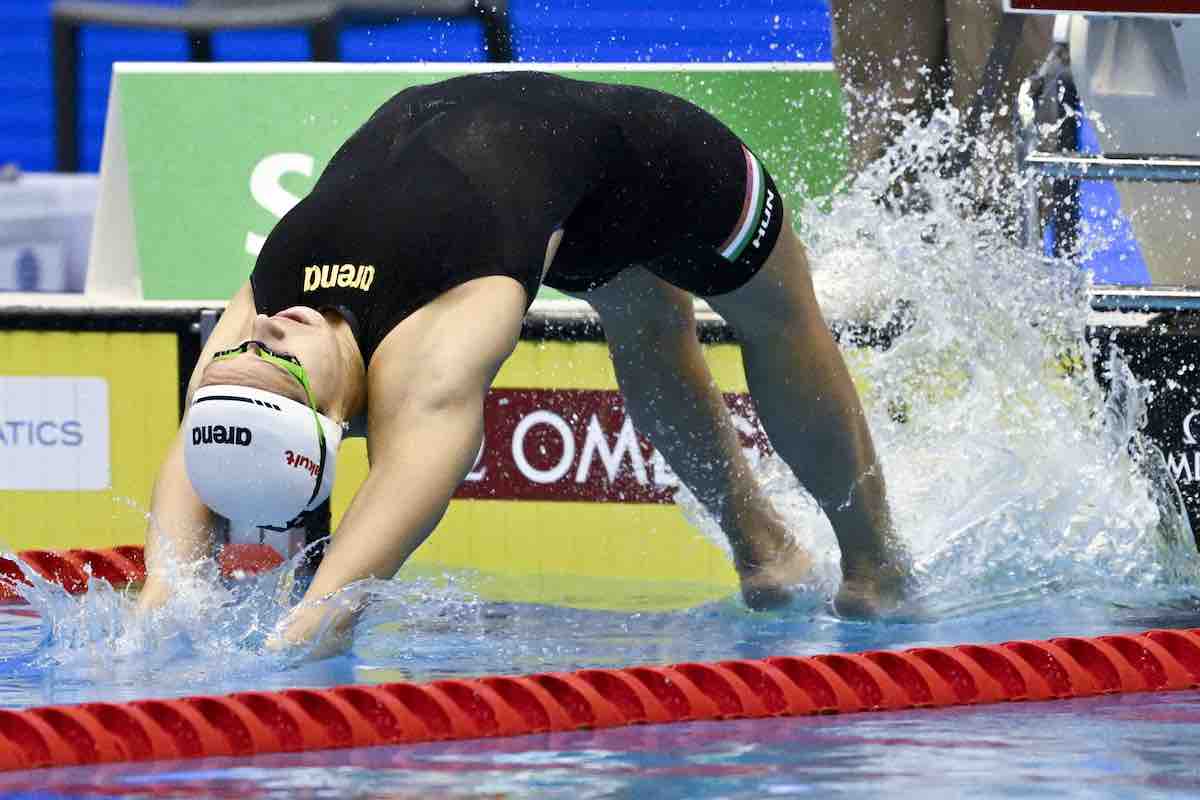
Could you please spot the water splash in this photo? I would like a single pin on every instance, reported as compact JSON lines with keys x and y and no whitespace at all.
{"x":1016,"y":482}
{"x":1012,"y":476}
{"x":209,"y":632}
{"x":212,"y":634}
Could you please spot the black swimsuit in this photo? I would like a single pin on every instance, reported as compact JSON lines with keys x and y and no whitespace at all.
{"x":471,"y":176}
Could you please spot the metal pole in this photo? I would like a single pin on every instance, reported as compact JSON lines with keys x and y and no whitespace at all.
{"x":65,"y":57}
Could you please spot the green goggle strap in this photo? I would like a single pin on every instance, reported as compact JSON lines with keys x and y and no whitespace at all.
{"x":294,"y":369}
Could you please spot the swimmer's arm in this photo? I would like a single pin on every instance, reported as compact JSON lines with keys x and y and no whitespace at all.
{"x":426,"y":384}
{"x":181,"y":528}
{"x":418,"y":458}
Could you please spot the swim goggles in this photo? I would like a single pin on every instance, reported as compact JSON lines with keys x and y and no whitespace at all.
{"x":291,"y":365}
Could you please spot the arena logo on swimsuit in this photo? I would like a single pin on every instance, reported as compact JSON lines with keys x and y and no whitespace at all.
{"x":343,"y":276}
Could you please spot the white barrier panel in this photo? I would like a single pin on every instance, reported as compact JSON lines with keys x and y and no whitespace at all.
{"x":54,"y":434}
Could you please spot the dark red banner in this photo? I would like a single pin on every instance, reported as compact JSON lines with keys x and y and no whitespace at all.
{"x":1180,"y":7}
{"x":567,"y":444}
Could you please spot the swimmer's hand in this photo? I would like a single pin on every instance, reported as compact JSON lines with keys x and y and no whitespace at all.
{"x":154,"y":594}
{"x":314,"y":631}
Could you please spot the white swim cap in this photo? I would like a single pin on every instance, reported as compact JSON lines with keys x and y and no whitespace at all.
{"x":256,"y":457}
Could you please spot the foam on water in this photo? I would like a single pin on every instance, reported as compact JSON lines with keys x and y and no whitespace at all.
{"x":1014,"y":481}
{"x":203,"y":632}
{"x":210,"y":635}
{"x":1011,"y":475}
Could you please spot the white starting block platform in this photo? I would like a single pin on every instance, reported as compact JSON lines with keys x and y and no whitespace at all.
{"x":1136,"y":68}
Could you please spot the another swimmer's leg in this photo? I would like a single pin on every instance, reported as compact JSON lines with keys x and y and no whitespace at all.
{"x":889,"y":56}
{"x":673,"y":399}
{"x":812,"y":414}
{"x":971,"y":33}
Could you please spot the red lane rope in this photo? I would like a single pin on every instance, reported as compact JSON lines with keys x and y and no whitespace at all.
{"x":120,"y":566}
{"x":249,"y":723}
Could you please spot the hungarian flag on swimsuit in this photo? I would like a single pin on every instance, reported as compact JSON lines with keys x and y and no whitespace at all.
{"x":758,"y":224}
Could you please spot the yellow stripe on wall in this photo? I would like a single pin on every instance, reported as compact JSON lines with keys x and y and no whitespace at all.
{"x":590,"y":555}
{"x":142,"y":373}
{"x":594,"y":555}
{"x":586,"y":365}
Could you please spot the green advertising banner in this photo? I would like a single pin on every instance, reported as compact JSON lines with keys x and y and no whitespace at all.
{"x":200,"y":161}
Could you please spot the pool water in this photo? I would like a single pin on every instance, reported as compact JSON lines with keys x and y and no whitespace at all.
{"x":1098,"y":747}
{"x":1030,"y":503}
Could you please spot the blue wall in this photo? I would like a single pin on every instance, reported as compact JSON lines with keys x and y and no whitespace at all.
{"x":545,"y":30}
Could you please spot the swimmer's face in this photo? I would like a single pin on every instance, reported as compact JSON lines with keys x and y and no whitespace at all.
{"x":302,"y":332}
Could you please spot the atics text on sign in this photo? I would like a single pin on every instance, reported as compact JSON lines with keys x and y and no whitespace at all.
{"x":54,"y":434}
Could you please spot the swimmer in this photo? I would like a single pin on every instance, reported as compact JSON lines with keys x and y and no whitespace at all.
{"x":897,"y":58}
{"x":395,"y":290}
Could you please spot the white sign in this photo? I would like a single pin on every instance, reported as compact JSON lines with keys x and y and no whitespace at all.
{"x":54,"y":434}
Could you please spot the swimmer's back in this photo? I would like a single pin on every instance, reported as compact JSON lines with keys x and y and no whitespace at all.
{"x":471,"y":176}
{"x":608,"y":151}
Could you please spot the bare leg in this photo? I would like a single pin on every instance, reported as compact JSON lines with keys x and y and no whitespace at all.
{"x":812,"y":414}
{"x":972,"y":31}
{"x":673,"y":399}
{"x":890,"y":56}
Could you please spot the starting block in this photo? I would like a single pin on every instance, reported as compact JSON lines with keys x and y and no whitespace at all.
{"x":1134,"y":69}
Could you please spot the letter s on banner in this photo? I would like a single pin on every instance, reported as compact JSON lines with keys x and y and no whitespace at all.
{"x":564,"y":433}
{"x":268,"y":192}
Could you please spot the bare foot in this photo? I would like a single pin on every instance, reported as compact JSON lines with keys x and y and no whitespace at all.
{"x":870,"y":594}
{"x":766,"y":584}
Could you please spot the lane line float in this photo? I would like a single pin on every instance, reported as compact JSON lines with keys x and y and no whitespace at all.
{"x":296,"y":720}
{"x":120,"y":566}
